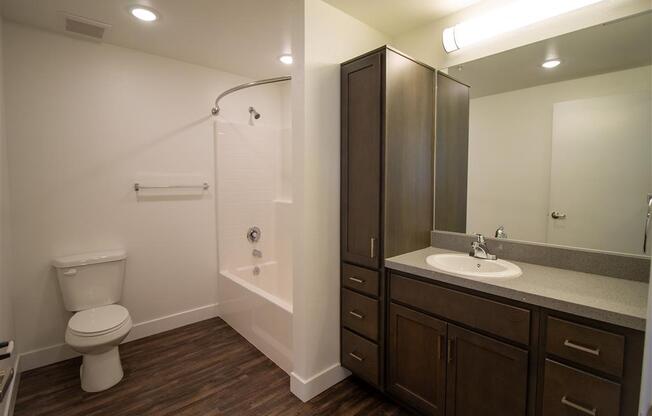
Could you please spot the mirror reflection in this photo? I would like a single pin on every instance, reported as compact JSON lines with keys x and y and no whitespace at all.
{"x":560,"y":139}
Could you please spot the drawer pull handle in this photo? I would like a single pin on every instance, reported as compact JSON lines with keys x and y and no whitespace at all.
{"x":593,"y":351}
{"x":355,"y":279}
{"x":356,"y":314}
{"x":356,"y":356}
{"x":572,"y":405}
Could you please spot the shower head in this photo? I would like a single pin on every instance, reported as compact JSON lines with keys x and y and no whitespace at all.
{"x":254,"y":113}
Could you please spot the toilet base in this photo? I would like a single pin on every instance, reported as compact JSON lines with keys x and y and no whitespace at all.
{"x":99,"y":372}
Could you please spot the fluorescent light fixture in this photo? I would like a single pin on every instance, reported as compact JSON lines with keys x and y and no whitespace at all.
{"x":286,"y":59}
{"x":144,"y":14}
{"x":515,"y":15}
{"x":551,"y":63}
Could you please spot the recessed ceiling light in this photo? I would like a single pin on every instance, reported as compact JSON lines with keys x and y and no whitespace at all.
{"x":144,"y":14}
{"x":551,"y":63}
{"x":286,"y":59}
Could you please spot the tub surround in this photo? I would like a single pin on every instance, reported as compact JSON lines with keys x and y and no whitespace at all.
{"x":602,"y":298}
{"x":622,"y":266}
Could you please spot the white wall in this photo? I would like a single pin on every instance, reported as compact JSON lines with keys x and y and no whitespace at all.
{"x":7,"y":330}
{"x":425,"y":42}
{"x":510,"y":139}
{"x":84,"y":120}
{"x":330,"y":37}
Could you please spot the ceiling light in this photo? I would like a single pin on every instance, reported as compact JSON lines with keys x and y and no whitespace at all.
{"x":286,"y":59}
{"x":551,"y":63}
{"x":515,"y":15}
{"x":144,"y":14}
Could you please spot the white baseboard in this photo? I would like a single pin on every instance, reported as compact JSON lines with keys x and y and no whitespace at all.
{"x":59,"y":352}
{"x":307,"y":389}
{"x":10,"y":401}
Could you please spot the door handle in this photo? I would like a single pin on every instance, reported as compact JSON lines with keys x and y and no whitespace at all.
{"x":373,"y":247}
{"x":558,"y":215}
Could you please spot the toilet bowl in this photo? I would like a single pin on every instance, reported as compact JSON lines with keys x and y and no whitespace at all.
{"x":96,"y":333}
{"x":91,"y":287}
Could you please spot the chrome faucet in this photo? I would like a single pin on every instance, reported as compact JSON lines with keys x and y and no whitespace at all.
{"x":479,"y":249}
{"x":500,"y":232}
{"x":257,"y":253}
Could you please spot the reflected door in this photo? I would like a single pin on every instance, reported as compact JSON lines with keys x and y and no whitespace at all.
{"x":601,"y":172}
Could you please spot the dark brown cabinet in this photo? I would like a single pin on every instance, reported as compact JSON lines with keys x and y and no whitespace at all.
{"x":417,"y":359}
{"x":361,"y":160}
{"x":485,"y":377}
{"x":452,"y":154}
{"x":457,"y":352}
{"x":387,"y":167}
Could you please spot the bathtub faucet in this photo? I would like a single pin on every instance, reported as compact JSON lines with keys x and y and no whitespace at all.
{"x":257,"y":253}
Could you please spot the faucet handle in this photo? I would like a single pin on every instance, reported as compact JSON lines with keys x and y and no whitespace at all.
{"x":480,"y":239}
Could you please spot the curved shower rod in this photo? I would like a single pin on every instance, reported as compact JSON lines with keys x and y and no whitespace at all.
{"x":216,"y":110}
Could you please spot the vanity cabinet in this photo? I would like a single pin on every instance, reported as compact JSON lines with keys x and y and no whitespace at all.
{"x":387,"y":168}
{"x":457,"y":352}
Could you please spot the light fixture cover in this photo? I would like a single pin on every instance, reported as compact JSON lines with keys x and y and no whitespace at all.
{"x":515,"y":15}
{"x":143,"y":13}
{"x":286,"y":59}
{"x":551,"y":63}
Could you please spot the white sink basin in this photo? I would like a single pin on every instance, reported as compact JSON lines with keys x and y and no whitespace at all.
{"x":463,"y":265}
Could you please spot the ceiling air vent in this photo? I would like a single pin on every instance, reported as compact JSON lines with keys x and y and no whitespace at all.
{"x":87,"y":28}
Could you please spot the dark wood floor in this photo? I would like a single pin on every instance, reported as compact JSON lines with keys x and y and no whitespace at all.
{"x":202,"y":369}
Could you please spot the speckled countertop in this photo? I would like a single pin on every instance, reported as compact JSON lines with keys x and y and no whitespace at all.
{"x":607,"y":299}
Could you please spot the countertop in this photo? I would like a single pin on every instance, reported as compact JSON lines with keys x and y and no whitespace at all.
{"x":607,"y":299}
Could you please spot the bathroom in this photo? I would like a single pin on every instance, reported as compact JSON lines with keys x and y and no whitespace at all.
{"x":249,"y":208}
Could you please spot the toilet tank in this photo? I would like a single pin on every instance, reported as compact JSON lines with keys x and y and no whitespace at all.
{"x":92,"y":279}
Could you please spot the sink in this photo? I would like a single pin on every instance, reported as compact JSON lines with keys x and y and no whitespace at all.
{"x":463,"y":265}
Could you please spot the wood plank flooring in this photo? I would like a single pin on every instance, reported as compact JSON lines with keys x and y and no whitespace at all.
{"x":203,"y":369}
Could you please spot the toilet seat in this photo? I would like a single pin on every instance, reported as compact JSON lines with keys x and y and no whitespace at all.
{"x":98,"y":321}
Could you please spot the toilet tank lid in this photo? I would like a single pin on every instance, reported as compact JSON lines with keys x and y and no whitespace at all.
{"x":89,"y":258}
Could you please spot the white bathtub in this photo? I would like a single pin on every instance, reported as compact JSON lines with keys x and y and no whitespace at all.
{"x":259,"y":307}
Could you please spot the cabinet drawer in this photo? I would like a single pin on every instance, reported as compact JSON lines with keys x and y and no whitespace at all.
{"x":594,"y":348}
{"x":360,"y":356}
{"x":359,"y":278}
{"x":360,"y":314}
{"x":570,"y":392}
{"x":497,"y":318}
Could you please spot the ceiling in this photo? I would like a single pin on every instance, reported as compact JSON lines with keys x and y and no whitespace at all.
{"x":245,"y":37}
{"x":394,"y":17}
{"x":610,"y":47}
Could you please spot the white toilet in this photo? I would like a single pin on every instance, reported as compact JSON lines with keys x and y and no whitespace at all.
{"x":91,"y":285}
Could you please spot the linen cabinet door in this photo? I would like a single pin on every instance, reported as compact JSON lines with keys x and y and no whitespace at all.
{"x":361,"y":160}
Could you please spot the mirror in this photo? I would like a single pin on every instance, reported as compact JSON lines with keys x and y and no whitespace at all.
{"x":563,"y":155}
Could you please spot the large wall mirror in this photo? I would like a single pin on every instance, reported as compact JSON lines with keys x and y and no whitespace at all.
{"x":561,"y":153}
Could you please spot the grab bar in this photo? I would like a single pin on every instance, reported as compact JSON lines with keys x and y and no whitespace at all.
{"x":138,"y":187}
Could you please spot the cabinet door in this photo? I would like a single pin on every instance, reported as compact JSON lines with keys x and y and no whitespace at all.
{"x":485,"y":377}
{"x":361,"y":160}
{"x":417,"y":359}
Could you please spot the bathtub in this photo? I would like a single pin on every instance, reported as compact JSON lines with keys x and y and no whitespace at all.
{"x":256,"y":300}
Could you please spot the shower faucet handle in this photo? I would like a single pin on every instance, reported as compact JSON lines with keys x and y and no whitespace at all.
{"x":253,"y":234}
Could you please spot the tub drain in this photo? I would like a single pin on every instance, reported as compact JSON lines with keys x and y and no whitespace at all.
{"x":256,"y":271}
